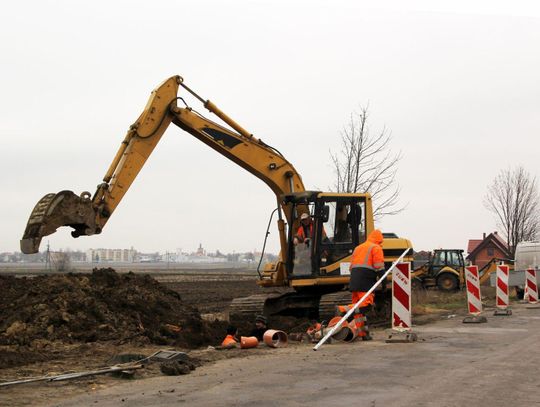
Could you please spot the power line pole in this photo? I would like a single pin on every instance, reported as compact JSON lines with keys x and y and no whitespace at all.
{"x":48,"y":257}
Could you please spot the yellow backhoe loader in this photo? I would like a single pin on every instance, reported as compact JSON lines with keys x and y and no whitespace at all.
{"x":445,"y":270}
{"x":311,"y":270}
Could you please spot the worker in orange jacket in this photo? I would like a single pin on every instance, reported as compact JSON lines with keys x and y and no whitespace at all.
{"x":231,"y":340}
{"x":305,"y":230}
{"x":304,"y":233}
{"x":367,"y":260}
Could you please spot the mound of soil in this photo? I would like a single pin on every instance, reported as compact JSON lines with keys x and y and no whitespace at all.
{"x":101,"y":306}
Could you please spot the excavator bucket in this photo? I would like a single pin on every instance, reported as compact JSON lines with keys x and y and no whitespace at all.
{"x":54,"y":210}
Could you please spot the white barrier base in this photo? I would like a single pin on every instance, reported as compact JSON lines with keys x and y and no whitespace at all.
{"x":502,"y":312}
{"x":397,"y":336}
{"x":474,"y":319}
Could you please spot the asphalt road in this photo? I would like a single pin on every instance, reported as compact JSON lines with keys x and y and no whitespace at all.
{"x":452,"y":364}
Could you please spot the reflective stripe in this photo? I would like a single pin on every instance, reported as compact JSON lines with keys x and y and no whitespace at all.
{"x":366,"y":264}
{"x":366,"y":259}
{"x":363,"y":266}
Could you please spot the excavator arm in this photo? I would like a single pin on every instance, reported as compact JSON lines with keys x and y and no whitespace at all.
{"x":87,"y":214}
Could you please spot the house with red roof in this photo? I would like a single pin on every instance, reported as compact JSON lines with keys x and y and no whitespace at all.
{"x":482,"y":251}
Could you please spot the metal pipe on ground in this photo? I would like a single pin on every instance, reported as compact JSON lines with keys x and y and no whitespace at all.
{"x":68,"y":376}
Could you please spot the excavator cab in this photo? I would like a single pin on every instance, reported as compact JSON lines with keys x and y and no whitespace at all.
{"x":336,"y":226}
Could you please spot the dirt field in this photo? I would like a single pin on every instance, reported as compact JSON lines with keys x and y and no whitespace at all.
{"x":203,"y":297}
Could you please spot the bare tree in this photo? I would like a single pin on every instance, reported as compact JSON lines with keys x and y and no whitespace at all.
{"x":366,"y":164}
{"x":61,"y":261}
{"x":513,"y":198}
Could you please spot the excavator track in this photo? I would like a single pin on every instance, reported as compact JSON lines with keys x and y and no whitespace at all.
{"x":276,"y":304}
{"x":242,"y":311}
{"x":329,"y":302}
{"x":246,"y":308}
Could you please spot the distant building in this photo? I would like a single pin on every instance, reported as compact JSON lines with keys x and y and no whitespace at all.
{"x":200,"y":251}
{"x":110,"y":255}
{"x":482,"y":251}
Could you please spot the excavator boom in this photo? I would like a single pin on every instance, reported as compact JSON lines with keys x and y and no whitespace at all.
{"x":88,"y":215}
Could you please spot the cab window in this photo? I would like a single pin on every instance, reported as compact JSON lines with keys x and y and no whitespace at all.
{"x":342,"y":231}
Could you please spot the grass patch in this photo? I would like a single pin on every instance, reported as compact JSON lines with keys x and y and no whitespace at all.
{"x":426,"y":302}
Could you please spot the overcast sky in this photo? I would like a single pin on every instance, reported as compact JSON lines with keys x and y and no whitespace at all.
{"x":456,"y":82}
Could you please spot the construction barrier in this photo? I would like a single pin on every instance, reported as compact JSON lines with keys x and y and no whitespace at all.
{"x":355,"y":306}
{"x":401,"y":297}
{"x":502,"y":296}
{"x":531,"y":288}
{"x":401,"y":305}
{"x":474,"y":297}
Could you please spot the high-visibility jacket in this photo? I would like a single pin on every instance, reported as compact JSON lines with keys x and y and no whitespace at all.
{"x":301,"y":233}
{"x":367,"y":258}
{"x":370,"y":253}
{"x":228,"y":341}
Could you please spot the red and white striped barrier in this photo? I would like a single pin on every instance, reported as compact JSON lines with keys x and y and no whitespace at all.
{"x":503,"y":299}
{"x":531,"y":288}
{"x":502,"y":295}
{"x":401,"y":305}
{"x":474,"y":297}
{"x":401,"y":297}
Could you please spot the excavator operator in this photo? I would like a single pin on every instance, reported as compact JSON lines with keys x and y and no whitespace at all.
{"x":305,"y":230}
{"x":367,"y":260}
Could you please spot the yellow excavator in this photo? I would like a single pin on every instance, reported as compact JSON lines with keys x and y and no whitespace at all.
{"x":313,"y":269}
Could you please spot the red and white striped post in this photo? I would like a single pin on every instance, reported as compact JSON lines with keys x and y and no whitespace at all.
{"x":502,"y":296}
{"x":401,"y":305}
{"x":531,"y":288}
{"x":474,"y":297}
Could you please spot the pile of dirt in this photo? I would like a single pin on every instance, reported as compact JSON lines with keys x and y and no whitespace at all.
{"x":102,"y":306}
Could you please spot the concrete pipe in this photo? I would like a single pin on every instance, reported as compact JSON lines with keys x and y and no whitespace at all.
{"x":275,"y":339}
{"x":247,"y":342}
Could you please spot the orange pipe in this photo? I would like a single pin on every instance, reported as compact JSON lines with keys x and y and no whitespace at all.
{"x":275,"y":339}
{"x":353,"y":332}
{"x":334,"y":321}
{"x":347,"y":332}
{"x":343,"y":333}
{"x":247,"y":342}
